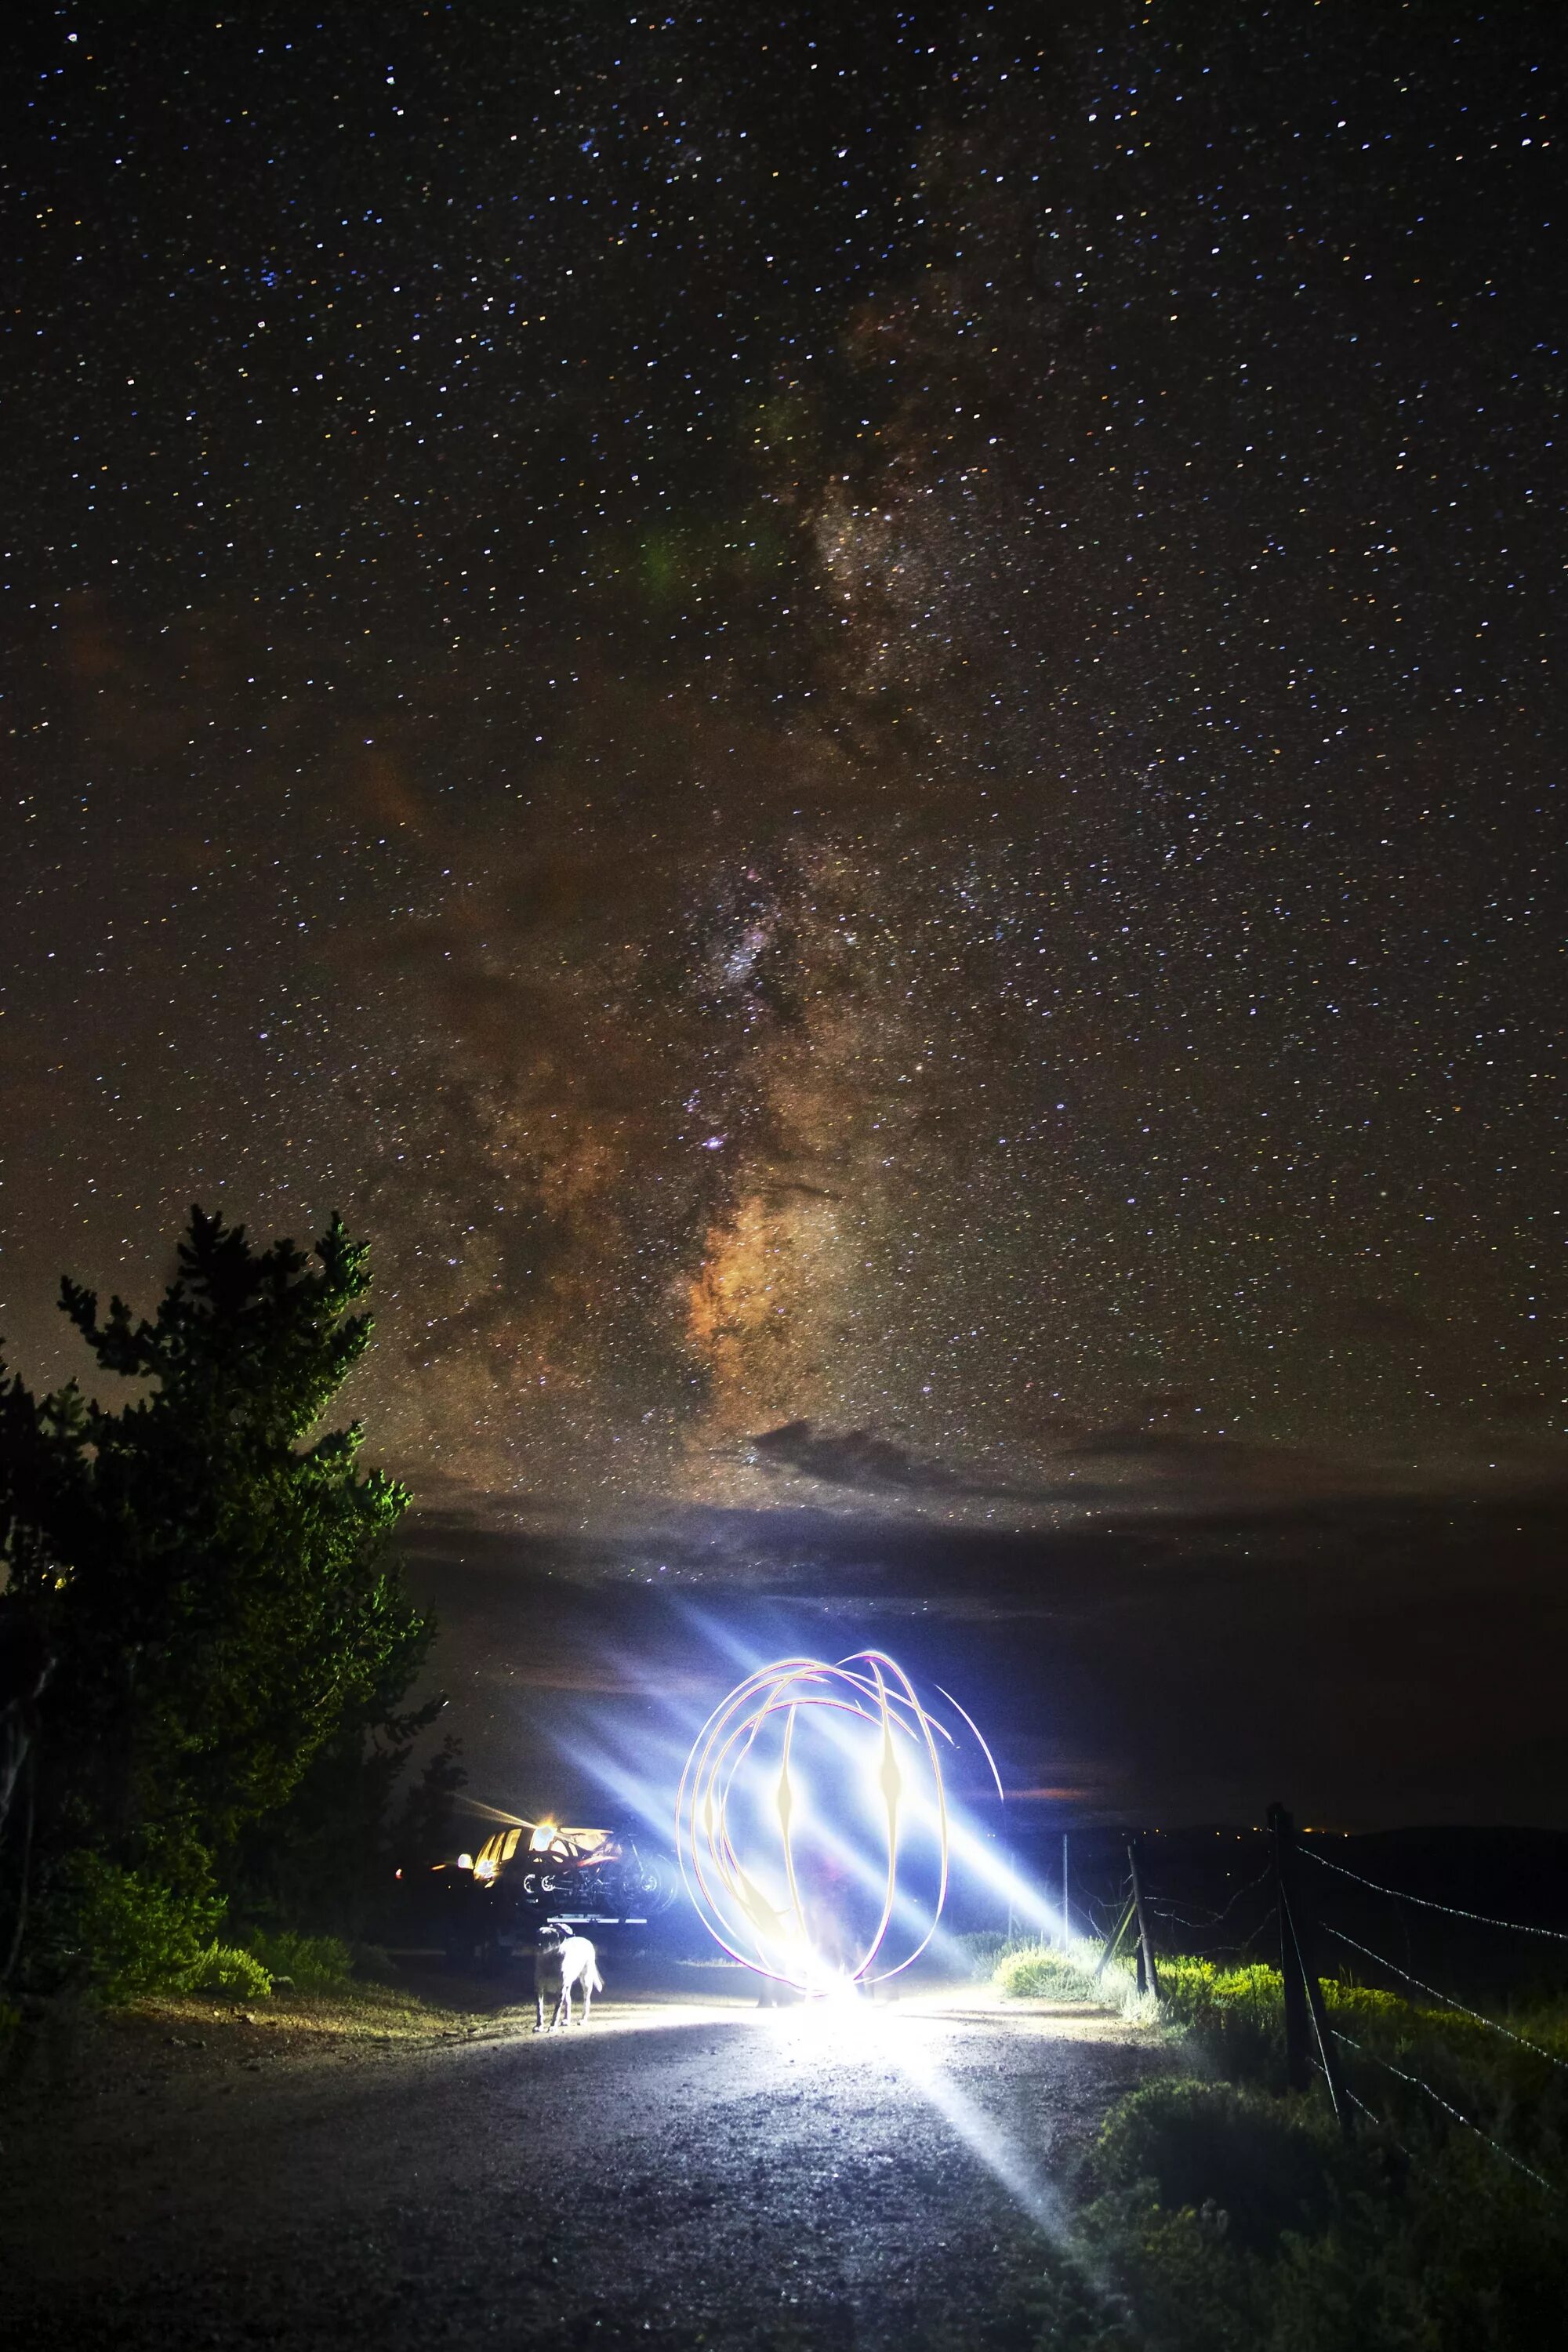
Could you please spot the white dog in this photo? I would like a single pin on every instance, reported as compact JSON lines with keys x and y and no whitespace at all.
{"x":562,"y":1961}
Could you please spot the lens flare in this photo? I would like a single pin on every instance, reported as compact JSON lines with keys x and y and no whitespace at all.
{"x":813,"y":1822}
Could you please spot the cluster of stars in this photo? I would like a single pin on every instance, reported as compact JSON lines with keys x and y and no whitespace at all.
{"x":851,"y":724}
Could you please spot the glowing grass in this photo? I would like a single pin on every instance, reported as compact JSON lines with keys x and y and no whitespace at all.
{"x":1039,"y":1972}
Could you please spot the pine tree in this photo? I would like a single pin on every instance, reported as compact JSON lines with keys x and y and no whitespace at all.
{"x":209,"y":1574}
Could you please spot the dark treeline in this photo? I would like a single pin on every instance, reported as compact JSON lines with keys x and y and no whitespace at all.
{"x":206,"y":1655}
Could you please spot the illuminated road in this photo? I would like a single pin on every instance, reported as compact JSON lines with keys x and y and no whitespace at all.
{"x":678,"y":2175}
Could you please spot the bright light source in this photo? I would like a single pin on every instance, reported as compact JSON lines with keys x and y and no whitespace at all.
{"x":789,"y":1887}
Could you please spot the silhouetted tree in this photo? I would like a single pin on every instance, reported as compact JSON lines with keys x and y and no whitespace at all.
{"x":209,"y":1577}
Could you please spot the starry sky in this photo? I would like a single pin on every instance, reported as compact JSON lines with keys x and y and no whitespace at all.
{"x":851,"y":718}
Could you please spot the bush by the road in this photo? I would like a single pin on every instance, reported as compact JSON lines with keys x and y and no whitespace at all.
{"x":1234,"y":2016}
{"x":1322,"y":2248}
{"x":124,"y":1933}
{"x":1269,"y":2165}
{"x":1237,"y":2218}
{"x":983,"y":1948}
{"x":1234,"y":2019}
{"x":225,"y":1968}
{"x":1044,"y":1972}
{"x":311,"y":1963}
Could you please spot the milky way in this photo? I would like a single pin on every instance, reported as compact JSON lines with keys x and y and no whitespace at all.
{"x":852,"y":725}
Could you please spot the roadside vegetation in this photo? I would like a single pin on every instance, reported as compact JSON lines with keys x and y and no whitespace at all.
{"x":1223,"y":2212}
{"x":1045,"y":1972}
{"x":207,"y":1651}
{"x":362,"y":2011}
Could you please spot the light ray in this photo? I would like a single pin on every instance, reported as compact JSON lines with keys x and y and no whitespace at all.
{"x":743,"y":1802}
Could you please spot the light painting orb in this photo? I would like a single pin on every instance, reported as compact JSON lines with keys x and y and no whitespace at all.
{"x":811,"y":1822}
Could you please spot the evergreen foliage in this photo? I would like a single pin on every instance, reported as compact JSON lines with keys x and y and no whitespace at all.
{"x":120,"y":1932}
{"x":207,"y":1570}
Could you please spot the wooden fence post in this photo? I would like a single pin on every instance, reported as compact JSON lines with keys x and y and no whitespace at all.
{"x":1304,"y":2006}
{"x":1148,"y":1975}
{"x":1297,"y":2066}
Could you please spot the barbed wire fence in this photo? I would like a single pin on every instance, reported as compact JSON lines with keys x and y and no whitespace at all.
{"x":1451,"y":2001}
{"x":1315,"y":2043}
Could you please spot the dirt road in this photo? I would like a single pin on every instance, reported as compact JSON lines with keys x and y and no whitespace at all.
{"x":679,"y":2175}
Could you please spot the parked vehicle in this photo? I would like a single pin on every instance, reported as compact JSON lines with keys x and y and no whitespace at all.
{"x":495,"y":1900}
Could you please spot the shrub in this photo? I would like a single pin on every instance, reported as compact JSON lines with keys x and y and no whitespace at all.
{"x":1045,"y":1972}
{"x":1456,"y":2256}
{"x":1266,"y":2164}
{"x":311,"y":1963}
{"x":1469,"y":2254}
{"x":1194,"y":2290}
{"x":126,"y":1932}
{"x":983,"y":1949}
{"x":225,"y":1968}
{"x":1235,"y":2016}
{"x":1241,"y":2221}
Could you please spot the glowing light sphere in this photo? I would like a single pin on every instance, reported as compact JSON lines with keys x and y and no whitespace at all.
{"x":811,"y":1822}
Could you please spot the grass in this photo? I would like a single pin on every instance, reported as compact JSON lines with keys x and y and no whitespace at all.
{"x":310,"y":1963}
{"x":72,"y":2043}
{"x":1234,"y":2020}
{"x":1221,"y":2213}
{"x":354,"y":2012}
{"x":982,"y":1948}
{"x":223,"y":1968}
{"x":1038,"y":1971}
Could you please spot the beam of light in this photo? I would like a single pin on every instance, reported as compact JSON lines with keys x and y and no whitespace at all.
{"x":866,"y":1768}
{"x":1006,"y":2162}
{"x":744,"y":1804}
{"x":843,"y":2031}
{"x":475,"y":1805}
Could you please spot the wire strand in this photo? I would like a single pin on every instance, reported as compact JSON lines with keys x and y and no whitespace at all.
{"x":1447,"y":1998}
{"x":1482,"y":1918}
{"x":1381,"y":2121}
{"x":1415,"y":2080}
{"x":1216,"y":1919}
{"x":1346,"y":2093}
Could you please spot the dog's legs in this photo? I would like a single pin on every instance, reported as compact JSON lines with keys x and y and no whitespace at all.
{"x":587,"y":1997}
{"x":562,"y":2007}
{"x":538,"y":2010}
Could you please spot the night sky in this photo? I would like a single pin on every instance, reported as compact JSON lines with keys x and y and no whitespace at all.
{"x":851,"y":718}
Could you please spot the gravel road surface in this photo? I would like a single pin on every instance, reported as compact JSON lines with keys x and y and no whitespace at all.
{"x":681,"y":2174}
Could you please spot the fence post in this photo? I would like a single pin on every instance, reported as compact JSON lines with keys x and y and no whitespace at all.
{"x":1299,"y":1976}
{"x":1292,"y":1975}
{"x":1148,"y":1975}
{"x":1298,"y":1915}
